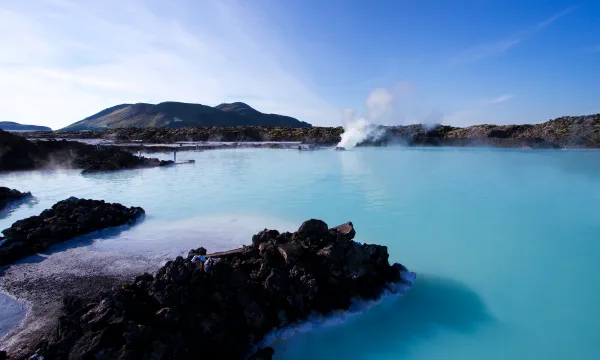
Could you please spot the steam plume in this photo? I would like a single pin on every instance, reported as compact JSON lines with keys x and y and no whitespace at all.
{"x":380,"y":105}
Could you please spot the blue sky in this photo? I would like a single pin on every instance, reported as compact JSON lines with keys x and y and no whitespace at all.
{"x":458,"y":62}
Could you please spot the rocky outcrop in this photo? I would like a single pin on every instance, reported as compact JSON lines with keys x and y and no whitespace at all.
{"x":8,"y":196}
{"x":112,"y":159}
{"x":319,"y":135}
{"x":65,"y":220}
{"x":17,"y":153}
{"x":221,"y":306}
{"x":564,"y":132}
{"x":568,"y":131}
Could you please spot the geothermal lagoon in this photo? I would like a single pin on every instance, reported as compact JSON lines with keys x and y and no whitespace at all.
{"x":504,"y":241}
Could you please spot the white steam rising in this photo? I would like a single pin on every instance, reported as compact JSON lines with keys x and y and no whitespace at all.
{"x":354,"y":133}
{"x":380,"y":105}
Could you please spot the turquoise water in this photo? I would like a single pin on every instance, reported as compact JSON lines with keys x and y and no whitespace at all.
{"x":505,"y":242}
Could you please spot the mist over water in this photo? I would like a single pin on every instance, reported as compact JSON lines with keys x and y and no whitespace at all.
{"x":504,"y":242}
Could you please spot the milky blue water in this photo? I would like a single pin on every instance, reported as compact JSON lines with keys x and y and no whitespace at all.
{"x":505,"y":242}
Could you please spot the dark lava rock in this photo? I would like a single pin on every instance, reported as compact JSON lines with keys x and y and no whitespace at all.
{"x":315,"y":135}
{"x":263,"y":354}
{"x":17,"y":153}
{"x":199,"y":251}
{"x":108,"y":158}
{"x":9,"y":195}
{"x":569,"y":132}
{"x":222,"y":308}
{"x":345,"y":231}
{"x":65,"y":220}
{"x":313,"y":228}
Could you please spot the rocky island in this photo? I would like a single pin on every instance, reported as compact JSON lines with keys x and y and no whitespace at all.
{"x":67,"y":219}
{"x":224,"y":305}
{"x":17,"y":153}
{"x":8,"y":196}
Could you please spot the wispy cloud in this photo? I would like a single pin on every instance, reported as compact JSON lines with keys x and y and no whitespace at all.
{"x":553,"y":18}
{"x":63,"y":60}
{"x":499,"y":99}
{"x":499,"y":46}
{"x":486,"y":50}
{"x":475,"y":113}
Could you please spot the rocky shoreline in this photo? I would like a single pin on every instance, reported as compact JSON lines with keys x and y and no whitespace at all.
{"x":563,"y":132}
{"x":67,"y":219}
{"x":240,"y":134}
{"x":169,"y":148}
{"x":8,"y":196}
{"x":17,"y":153}
{"x":223,"y":305}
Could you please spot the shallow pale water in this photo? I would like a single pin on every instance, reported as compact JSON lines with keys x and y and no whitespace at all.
{"x":12,"y":314}
{"x":506,"y":242}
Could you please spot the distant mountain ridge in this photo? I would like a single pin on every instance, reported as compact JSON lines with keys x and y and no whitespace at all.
{"x":178,"y":115}
{"x":13,"y":126}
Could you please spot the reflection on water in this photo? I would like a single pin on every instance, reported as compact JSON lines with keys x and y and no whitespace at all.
{"x":357,"y":172}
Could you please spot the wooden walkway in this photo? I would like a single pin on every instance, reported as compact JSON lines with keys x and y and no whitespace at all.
{"x":224,"y":254}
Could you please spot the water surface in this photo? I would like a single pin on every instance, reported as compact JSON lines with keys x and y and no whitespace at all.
{"x":505,"y":242}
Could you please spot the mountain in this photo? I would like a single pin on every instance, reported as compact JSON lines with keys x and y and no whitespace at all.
{"x":13,"y":126}
{"x":178,"y":115}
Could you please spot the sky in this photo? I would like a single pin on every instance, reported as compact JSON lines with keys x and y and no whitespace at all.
{"x":327,"y":62}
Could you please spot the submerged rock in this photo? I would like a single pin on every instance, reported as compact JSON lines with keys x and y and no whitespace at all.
{"x":223,"y":307}
{"x":65,"y":220}
{"x":8,"y":196}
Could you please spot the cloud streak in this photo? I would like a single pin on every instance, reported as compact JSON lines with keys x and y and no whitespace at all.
{"x":474,"y":114}
{"x":483,"y":51}
{"x":63,"y":60}
{"x":499,"y":99}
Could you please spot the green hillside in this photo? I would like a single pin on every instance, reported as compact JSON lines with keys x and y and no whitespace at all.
{"x":178,"y":115}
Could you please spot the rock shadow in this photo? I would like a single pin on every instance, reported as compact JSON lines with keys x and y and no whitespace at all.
{"x":14,"y":206}
{"x":84,"y":240}
{"x":390,"y":330}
